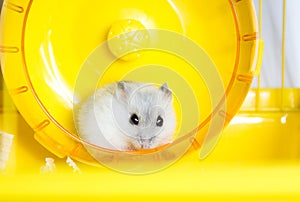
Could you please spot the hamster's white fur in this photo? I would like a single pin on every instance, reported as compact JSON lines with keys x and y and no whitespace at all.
{"x":127,"y":116}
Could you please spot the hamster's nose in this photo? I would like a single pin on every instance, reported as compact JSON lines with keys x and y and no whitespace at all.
{"x":144,"y":143}
{"x":126,"y":38}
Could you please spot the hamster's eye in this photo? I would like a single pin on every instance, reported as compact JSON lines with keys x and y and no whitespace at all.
{"x":159,"y":121}
{"x":134,"y":119}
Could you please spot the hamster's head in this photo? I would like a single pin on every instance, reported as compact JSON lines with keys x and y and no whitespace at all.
{"x":144,"y":114}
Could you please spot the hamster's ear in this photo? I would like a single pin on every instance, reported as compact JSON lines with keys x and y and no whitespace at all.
{"x":164,"y":88}
{"x":121,"y":90}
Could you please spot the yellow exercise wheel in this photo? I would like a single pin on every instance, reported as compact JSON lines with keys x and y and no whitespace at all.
{"x":207,"y":52}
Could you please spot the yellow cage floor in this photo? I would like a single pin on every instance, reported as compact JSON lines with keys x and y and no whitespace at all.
{"x":257,"y":158}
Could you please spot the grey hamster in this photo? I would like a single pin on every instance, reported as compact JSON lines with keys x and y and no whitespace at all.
{"x":128,"y":116}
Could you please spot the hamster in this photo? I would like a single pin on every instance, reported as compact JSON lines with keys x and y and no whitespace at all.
{"x":127,"y":116}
